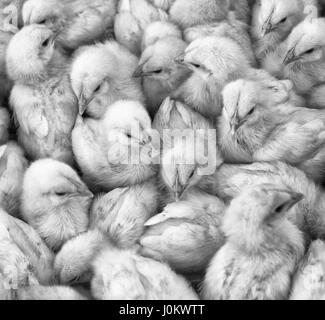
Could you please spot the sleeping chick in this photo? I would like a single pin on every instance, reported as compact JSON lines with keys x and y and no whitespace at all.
{"x":72,"y":264}
{"x":161,"y":73}
{"x":55,"y":202}
{"x":250,"y":132}
{"x":75,"y":22}
{"x":42,"y":99}
{"x":37,"y":293}
{"x":189,"y":13}
{"x":124,"y":275}
{"x":301,"y":57}
{"x":132,"y":19}
{"x":214,"y":61}
{"x":113,"y":152}
{"x":122,"y":213}
{"x":262,"y":249}
{"x":273,"y":21}
{"x":231,"y":180}
{"x":13,"y":165}
{"x":308,"y":283}
{"x":103,"y":74}
{"x":187,"y":234}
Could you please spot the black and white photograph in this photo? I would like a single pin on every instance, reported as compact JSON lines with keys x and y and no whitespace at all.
{"x":162,"y":150}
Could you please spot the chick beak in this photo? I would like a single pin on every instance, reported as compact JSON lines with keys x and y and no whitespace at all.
{"x":290,"y":57}
{"x":138,"y":73}
{"x":295,"y":198}
{"x":83,"y":104}
{"x":267,"y":28}
{"x":180,"y":59}
{"x":234,"y":125}
{"x":85,"y":193}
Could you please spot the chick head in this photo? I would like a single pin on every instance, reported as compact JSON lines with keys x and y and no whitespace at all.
{"x":216,"y":57}
{"x":278,"y":17}
{"x":98,"y":73}
{"x":244,"y":100}
{"x":158,"y":61}
{"x":50,"y":185}
{"x":185,"y":165}
{"x":49,"y":13}
{"x":306,"y":43}
{"x":259,"y":215}
{"x":30,"y":52}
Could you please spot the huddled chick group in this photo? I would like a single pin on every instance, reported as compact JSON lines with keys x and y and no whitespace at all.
{"x":79,"y":220}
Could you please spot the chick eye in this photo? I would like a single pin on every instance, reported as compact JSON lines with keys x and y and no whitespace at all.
{"x":129,"y":136}
{"x":310,"y":51}
{"x":251,"y":111}
{"x":46,"y":42}
{"x":157,"y":71}
{"x":284,"y":20}
{"x":60,"y":194}
{"x":98,"y":88}
{"x":195,"y":65}
{"x":279,"y":209}
{"x":192,"y":175}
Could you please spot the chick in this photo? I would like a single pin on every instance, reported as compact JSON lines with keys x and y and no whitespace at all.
{"x":308,"y":283}
{"x":160,"y":71}
{"x":132,"y":19}
{"x":262,"y":249}
{"x":159,"y":30}
{"x":25,"y":259}
{"x":13,"y":165}
{"x":301,"y":57}
{"x":231,"y":180}
{"x":43,"y":102}
{"x":215,"y":61}
{"x":273,"y":21}
{"x":75,"y":22}
{"x":233,"y":29}
{"x":112,"y":152}
{"x":72,"y":264}
{"x":103,"y":74}
{"x":122,"y":213}
{"x":48,"y":293}
{"x":124,"y":275}
{"x":250,"y":132}
{"x":189,"y":13}
{"x":57,"y":205}
{"x":187,"y":234}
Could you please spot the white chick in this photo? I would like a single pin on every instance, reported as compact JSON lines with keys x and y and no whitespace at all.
{"x":55,"y":202}
{"x":75,"y":22}
{"x":72,"y":264}
{"x":262,"y":249}
{"x":122,"y":213}
{"x":215,"y":61}
{"x":231,"y":180}
{"x":124,"y":275}
{"x":273,"y":20}
{"x":250,"y":132}
{"x":189,"y":13}
{"x":43,"y":102}
{"x":187,"y":234}
{"x":112,"y":152}
{"x":301,"y":57}
{"x":25,"y":259}
{"x":308,"y":283}
{"x":159,"y":30}
{"x":103,"y":74}
{"x":37,"y":293}
{"x":233,"y":29}
{"x":160,"y":71}
{"x":13,"y":165}
{"x":132,"y":19}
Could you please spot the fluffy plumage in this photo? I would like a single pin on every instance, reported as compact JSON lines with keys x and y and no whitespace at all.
{"x":13,"y":165}
{"x":75,"y":22}
{"x":186,"y":234}
{"x":42,"y":99}
{"x":132,"y":19}
{"x":122,"y":213}
{"x":262,"y":249}
{"x":102,"y":146}
{"x":250,"y":132}
{"x":308,"y":283}
{"x":124,"y":275}
{"x":103,"y":74}
{"x":55,"y":202}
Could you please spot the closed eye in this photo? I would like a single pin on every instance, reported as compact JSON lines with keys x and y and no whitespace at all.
{"x":283,"y":20}
{"x":310,"y":51}
{"x":157,"y":71}
{"x":195,"y":65}
{"x":61,"y":194}
{"x":46,"y":42}
{"x":251,"y":111}
{"x":97,"y":89}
